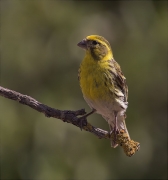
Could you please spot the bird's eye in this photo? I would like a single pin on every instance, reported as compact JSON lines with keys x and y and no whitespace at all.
{"x":94,"y":42}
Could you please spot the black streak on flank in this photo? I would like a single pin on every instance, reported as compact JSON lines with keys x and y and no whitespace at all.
{"x":96,"y":84}
{"x":110,"y":71}
{"x":110,"y":66}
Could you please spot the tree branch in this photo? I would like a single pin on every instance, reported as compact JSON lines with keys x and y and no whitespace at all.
{"x":129,"y":146}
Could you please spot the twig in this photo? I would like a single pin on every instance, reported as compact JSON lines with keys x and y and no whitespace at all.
{"x":66,"y":115}
{"x":70,"y":117}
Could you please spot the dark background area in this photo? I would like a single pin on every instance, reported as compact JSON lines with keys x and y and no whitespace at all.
{"x":40,"y":58}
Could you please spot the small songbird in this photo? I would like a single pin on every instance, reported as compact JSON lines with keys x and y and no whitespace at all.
{"x":103,"y":84}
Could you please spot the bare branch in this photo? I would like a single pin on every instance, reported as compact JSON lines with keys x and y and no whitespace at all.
{"x":129,"y":146}
{"x":66,"y":115}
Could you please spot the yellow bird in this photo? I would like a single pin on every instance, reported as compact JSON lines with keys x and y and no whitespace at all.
{"x":103,"y":84}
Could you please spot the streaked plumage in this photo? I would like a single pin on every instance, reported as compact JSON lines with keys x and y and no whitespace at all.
{"x":102,"y":82}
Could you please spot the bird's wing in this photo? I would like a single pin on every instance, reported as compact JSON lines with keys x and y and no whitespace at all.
{"x":120,"y":80}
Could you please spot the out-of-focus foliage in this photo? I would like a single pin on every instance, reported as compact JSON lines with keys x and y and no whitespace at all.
{"x":39,"y":57}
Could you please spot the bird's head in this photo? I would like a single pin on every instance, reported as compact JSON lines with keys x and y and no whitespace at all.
{"x":97,"y":46}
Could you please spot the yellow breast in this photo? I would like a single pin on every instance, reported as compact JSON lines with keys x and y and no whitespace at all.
{"x":93,"y":79}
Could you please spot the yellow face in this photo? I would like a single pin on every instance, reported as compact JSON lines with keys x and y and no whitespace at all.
{"x":96,"y":45}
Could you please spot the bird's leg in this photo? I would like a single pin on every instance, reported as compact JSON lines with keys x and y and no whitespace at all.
{"x":115,"y":126}
{"x":113,"y":130}
{"x":88,"y":114}
{"x":83,"y":118}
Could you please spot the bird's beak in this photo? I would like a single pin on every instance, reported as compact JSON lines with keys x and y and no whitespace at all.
{"x":83,"y":44}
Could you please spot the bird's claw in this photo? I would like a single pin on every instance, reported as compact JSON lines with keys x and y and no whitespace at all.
{"x":82,"y":122}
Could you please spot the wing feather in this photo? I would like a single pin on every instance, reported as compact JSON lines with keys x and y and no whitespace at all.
{"x":120,"y":80}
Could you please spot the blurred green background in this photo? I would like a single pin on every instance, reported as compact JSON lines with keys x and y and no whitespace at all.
{"x":40,"y":58}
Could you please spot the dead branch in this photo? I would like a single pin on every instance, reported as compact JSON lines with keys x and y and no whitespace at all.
{"x":72,"y":117}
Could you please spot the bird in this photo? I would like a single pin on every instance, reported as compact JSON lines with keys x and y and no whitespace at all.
{"x":103,"y":84}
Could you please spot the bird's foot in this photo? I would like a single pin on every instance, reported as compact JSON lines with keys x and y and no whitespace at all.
{"x":82,"y":122}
